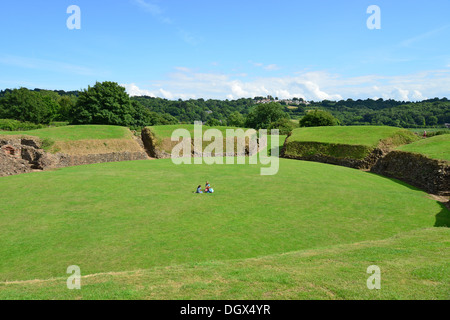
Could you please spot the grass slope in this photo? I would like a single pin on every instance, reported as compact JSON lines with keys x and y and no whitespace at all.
{"x":163,"y":135}
{"x":73,"y":133}
{"x":354,"y":142}
{"x":141,"y":215}
{"x":437,"y":147}
{"x":414,"y":265}
{"x":166,"y":131}
{"x":353,"y":135}
{"x":78,"y":140}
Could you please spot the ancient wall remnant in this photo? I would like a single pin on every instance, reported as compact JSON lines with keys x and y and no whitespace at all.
{"x":22,"y":155}
{"x":418,"y":170}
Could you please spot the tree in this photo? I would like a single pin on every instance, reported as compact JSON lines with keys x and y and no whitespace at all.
{"x":104,"y":103}
{"x":213,"y":122}
{"x":25,"y":105}
{"x":284,"y":125}
{"x":236,"y":119}
{"x":432,"y":121}
{"x":263,"y":115}
{"x":66,"y":104}
{"x":318,"y":118}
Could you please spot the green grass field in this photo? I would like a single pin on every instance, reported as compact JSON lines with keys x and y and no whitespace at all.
{"x":74,"y":133}
{"x":87,"y":139}
{"x":420,"y":131}
{"x":353,"y":142}
{"x":163,"y":135}
{"x":137,"y":231}
{"x":437,"y":147}
{"x":369,"y":136}
{"x":166,"y":131}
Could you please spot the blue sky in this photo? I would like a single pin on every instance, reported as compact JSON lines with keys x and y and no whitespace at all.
{"x":317,"y":50}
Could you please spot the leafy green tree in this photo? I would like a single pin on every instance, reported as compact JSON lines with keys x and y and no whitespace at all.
{"x":284,"y":125}
{"x":213,"y":123}
{"x":104,"y":103}
{"x":236,"y":119}
{"x":432,"y":121}
{"x":66,"y":104}
{"x":25,"y":105}
{"x":318,"y":118}
{"x":264,"y":114}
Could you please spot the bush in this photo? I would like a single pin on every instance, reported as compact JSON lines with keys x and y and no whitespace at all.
{"x":213,"y":123}
{"x":284,"y":125}
{"x":318,"y":118}
{"x":15,"y":125}
{"x":437,"y":133}
{"x":264,"y":114}
{"x":236,"y":119}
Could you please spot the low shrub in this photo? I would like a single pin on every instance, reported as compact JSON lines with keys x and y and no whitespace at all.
{"x":15,"y":125}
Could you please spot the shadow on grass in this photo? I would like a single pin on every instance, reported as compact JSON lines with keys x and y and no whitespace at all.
{"x":442,"y":218}
{"x":400,"y":182}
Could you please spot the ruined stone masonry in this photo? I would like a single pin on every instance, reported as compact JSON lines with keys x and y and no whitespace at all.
{"x":25,"y":154}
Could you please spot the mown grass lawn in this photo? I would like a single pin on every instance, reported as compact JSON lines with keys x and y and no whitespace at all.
{"x":437,"y":147}
{"x":73,"y":133}
{"x":166,"y":131}
{"x":368,"y":136}
{"x":413,"y":265}
{"x":143,"y":215}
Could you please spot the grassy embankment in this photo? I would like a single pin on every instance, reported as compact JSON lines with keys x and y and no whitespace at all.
{"x":437,"y":147}
{"x":355,"y":142}
{"x":83,"y":139}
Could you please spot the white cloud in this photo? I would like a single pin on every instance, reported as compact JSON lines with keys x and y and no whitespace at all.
{"x":183,"y":69}
{"x":133,"y":90}
{"x":403,"y":94}
{"x":189,"y":37}
{"x":166,"y":94}
{"x":271,"y":67}
{"x":418,"y":96}
{"x":318,"y":85}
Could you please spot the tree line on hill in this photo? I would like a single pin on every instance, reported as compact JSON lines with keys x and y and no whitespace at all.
{"x":108,"y":103}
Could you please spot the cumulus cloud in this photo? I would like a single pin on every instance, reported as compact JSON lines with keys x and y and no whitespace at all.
{"x":133,"y":90}
{"x":318,"y":85}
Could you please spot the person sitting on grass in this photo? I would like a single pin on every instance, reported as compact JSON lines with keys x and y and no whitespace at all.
{"x":199,"y":189}
{"x":208,"y":188}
